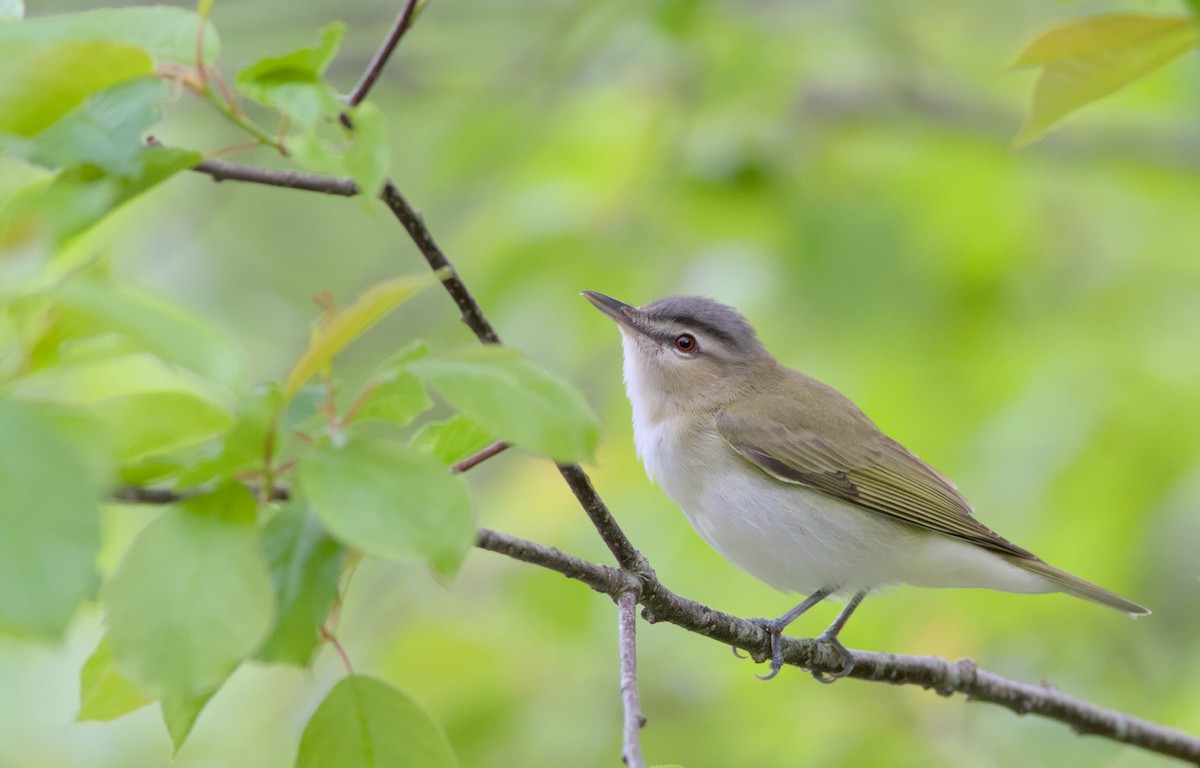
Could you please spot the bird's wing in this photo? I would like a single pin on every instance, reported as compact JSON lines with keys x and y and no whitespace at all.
{"x":863,"y":466}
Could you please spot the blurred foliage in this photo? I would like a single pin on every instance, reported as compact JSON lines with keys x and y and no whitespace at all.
{"x":1027,"y":322}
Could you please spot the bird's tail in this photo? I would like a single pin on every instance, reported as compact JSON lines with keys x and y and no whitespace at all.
{"x":1073,"y":585}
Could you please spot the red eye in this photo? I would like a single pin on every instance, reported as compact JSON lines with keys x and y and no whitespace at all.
{"x":685,"y":342}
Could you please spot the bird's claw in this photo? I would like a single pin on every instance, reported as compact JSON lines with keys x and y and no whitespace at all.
{"x":847,"y":660}
{"x":773,"y":630}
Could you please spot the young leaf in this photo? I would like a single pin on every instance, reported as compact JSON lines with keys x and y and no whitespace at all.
{"x":105,"y":132}
{"x":151,"y":408}
{"x":151,"y":424}
{"x":156,"y":325}
{"x":348,"y":324}
{"x":50,"y":518}
{"x":293,"y":83}
{"x":1087,"y":59}
{"x":389,"y":501}
{"x":45,"y":80}
{"x":192,"y":598}
{"x":366,"y":723}
{"x":361,"y":153}
{"x":516,"y":400}
{"x":243,"y":447}
{"x":79,"y":197}
{"x":394,"y":363}
{"x":179,"y":714}
{"x":306,"y":566}
{"x":396,"y":401}
{"x":452,"y":440}
{"x":103,"y":693}
{"x":163,"y":32}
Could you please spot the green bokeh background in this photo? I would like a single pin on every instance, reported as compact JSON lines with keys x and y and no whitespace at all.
{"x":1028,"y":322}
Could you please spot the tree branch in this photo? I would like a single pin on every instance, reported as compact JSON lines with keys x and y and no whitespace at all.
{"x":631,"y":747}
{"x":661,"y":604}
{"x":625,"y":553}
{"x":401,"y":25}
{"x":222,"y":170}
{"x":930,"y":672}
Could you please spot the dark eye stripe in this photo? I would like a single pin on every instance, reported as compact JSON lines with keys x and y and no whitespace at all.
{"x":695,"y":323}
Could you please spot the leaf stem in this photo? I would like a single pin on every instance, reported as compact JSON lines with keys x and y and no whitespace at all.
{"x":237,"y":117}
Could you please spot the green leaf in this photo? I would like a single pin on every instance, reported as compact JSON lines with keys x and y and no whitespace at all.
{"x":396,"y":401}
{"x":106,"y":131}
{"x":156,"y":325}
{"x":293,"y":83}
{"x":149,"y":407}
{"x":163,"y":32}
{"x":1091,"y":58}
{"x":156,"y":423}
{"x":79,"y":197}
{"x":389,"y":501}
{"x":452,"y":440}
{"x":306,"y":566}
{"x":338,"y":331}
{"x":368,"y":155}
{"x":103,"y":693}
{"x":366,"y":723}
{"x":244,"y":446}
{"x":179,"y":714}
{"x":394,"y":363}
{"x":192,"y":598}
{"x":362,"y":153}
{"x":50,"y":518}
{"x":45,"y":80}
{"x":516,"y":400}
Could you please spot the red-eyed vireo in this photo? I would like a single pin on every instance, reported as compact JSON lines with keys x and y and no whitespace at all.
{"x":792,"y":483}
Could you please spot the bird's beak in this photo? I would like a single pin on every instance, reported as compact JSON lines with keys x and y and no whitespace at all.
{"x":623,"y":313}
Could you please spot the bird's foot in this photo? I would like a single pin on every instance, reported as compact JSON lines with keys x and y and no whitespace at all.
{"x":843,"y":651}
{"x":774,"y":630}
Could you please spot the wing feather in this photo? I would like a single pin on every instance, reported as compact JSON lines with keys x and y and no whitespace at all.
{"x":866,"y":468}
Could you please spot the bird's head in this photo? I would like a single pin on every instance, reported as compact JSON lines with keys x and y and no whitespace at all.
{"x":683,"y":352}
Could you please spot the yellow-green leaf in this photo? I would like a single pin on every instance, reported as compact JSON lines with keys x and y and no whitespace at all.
{"x":103,"y":693}
{"x":1088,"y":59}
{"x":389,"y":501}
{"x":348,"y":324}
{"x":49,"y":520}
{"x":44,"y":80}
{"x":515,"y":400}
{"x":191,"y":599}
{"x":366,"y":723}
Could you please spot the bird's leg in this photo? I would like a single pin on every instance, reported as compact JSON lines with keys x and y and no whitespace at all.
{"x":774,"y":629}
{"x":829,"y":637}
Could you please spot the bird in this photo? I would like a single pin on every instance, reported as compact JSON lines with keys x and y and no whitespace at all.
{"x":791,"y":482}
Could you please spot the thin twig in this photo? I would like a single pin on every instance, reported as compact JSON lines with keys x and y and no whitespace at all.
{"x":627,"y":555}
{"x":930,"y":672}
{"x":401,"y":25}
{"x":221,"y":170}
{"x":136,"y":494}
{"x":631,"y":746}
{"x":472,"y":314}
{"x":478,"y":458}
{"x":412,"y":222}
{"x":332,"y":639}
